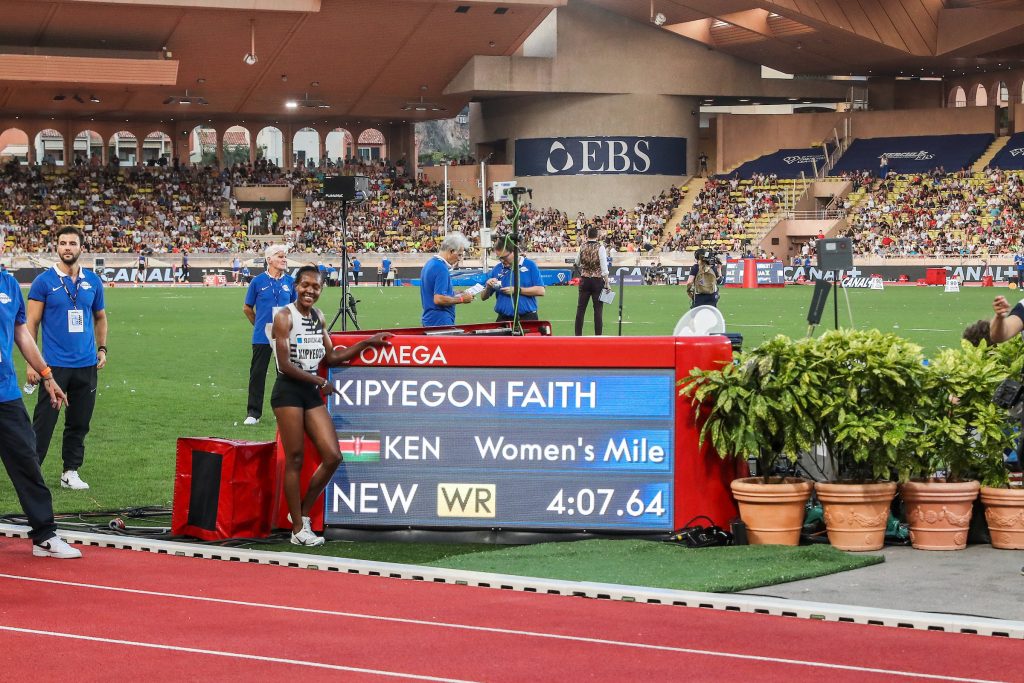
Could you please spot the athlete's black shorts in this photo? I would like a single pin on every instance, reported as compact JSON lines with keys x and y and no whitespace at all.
{"x":289,"y":393}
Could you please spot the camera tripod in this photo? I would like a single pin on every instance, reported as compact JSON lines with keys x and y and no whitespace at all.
{"x":347,"y":302}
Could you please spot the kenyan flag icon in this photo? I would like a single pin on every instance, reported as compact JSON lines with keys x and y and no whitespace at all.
{"x":359,"y":446}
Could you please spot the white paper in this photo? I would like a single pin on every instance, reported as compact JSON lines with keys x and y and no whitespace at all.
{"x":607,"y":296}
{"x":474,"y":290}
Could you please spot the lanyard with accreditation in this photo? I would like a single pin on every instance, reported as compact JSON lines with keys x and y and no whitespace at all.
{"x":76,"y":318}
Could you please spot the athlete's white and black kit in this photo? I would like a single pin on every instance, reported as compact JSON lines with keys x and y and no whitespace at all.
{"x":305,"y":350}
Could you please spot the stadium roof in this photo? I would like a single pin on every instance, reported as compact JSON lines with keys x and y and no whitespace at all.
{"x":858,"y":37}
{"x":390,"y":60}
{"x":141,"y":58}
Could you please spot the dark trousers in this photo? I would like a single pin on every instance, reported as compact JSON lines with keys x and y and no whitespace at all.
{"x":18,"y":452}
{"x":590,"y":290}
{"x":80,"y":386}
{"x":258,"y":379}
{"x":705,"y":300}
{"x":355,"y":277}
{"x":522,"y":316}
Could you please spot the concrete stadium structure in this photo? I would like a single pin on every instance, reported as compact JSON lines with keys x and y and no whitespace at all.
{"x":605,"y":88}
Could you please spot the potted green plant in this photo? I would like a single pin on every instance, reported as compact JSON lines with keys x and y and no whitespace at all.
{"x":756,"y":408}
{"x":1004,"y":504}
{"x":962,"y":433}
{"x":869,"y":420}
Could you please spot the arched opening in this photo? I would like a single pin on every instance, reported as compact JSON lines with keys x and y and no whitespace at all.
{"x":157,"y":149}
{"x":236,"y":146}
{"x":14,"y":146}
{"x":49,"y":147}
{"x":340,"y":146}
{"x":306,"y":148}
{"x":372,"y":145}
{"x":87,"y":149}
{"x":203,"y":146}
{"x":122,"y":148}
{"x":980,"y":98}
{"x":270,"y":145}
{"x":1002,"y":94}
{"x":957,"y":97}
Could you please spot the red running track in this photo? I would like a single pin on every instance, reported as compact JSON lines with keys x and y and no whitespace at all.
{"x":119,"y":614}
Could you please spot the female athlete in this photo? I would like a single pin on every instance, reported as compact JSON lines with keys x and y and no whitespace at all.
{"x":301,"y":344}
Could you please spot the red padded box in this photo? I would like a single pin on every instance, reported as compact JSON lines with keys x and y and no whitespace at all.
{"x":224,"y":488}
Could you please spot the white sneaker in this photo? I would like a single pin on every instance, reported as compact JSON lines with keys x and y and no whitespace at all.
{"x":55,"y":547}
{"x":71,"y":480}
{"x":307,"y":537}
{"x":307,"y":523}
{"x":251,"y":420}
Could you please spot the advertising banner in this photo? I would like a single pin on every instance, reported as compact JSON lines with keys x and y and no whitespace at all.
{"x":627,"y":155}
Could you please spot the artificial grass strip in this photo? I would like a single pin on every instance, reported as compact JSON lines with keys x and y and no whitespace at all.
{"x":628,"y":562}
{"x":662,"y":565}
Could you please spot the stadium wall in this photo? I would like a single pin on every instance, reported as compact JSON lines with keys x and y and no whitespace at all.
{"x":742,"y":137}
{"x":970,"y":273}
{"x":573,"y":115}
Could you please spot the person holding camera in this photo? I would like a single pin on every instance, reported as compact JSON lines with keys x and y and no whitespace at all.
{"x":500,"y":282}
{"x":1007,"y":323}
{"x":705,"y":277}
{"x":592,"y":262}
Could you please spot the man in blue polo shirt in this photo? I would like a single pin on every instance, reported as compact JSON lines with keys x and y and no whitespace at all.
{"x":356,"y":269}
{"x":17,"y":441}
{"x":500,"y":282}
{"x":268,"y":293}
{"x":67,"y":302}
{"x":385,"y":268}
{"x":436,"y":293}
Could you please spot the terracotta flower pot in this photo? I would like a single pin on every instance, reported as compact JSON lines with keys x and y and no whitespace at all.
{"x":939,"y":513}
{"x":774,"y":513}
{"x":855,"y":514}
{"x":1004,"y":512}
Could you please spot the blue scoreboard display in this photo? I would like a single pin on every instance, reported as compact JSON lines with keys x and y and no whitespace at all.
{"x":514,"y":448}
{"x":461,"y":432}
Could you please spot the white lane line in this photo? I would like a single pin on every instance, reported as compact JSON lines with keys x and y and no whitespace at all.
{"x":502,"y":631}
{"x":925,"y":329}
{"x":234,"y":655}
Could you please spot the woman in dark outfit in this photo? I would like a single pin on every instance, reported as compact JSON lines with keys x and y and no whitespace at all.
{"x":301,"y":344}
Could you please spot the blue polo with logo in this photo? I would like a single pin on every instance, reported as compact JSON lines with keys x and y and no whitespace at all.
{"x":12,"y":313}
{"x":264,"y":295}
{"x":436,"y":278}
{"x":67,"y":344}
{"x":385,"y":265}
{"x":529,"y":276}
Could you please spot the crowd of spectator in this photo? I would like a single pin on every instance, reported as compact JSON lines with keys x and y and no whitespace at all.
{"x":723,"y":212}
{"x":171,"y":209}
{"x":940,"y":214}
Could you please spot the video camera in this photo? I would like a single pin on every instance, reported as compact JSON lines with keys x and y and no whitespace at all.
{"x":1009,"y":395}
{"x":710,"y":257}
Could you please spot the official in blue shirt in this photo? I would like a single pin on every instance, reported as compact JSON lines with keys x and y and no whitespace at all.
{"x":268,"y":292}
{"x":385,"y":268}
{"x":500,"y":282}
{"x":17,"y":441}
{"x":436,"y":293}
{"x":356,"y":268}
{"x":67,"y":302}
{"x":1018,"y":263}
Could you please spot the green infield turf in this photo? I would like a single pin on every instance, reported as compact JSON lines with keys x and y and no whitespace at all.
{"x":179,"y":358}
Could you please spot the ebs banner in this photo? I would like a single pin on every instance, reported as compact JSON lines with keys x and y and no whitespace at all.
{"x":601,"y":156}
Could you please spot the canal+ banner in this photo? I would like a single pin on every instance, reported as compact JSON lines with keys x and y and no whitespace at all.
{"x":624,"y":155}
